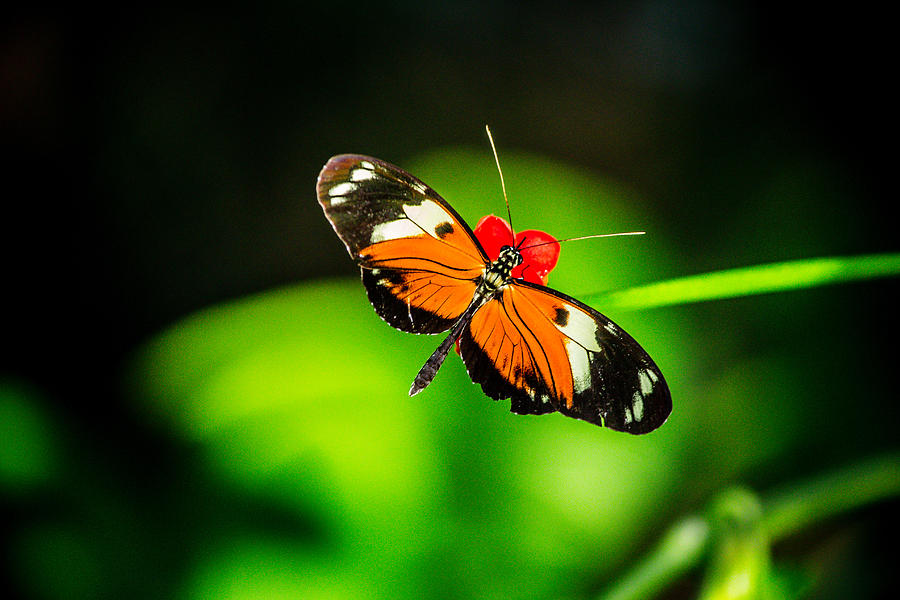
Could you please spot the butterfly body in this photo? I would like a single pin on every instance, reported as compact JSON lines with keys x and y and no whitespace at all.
{"x":425,"y":272}
{"x":498,"y":273}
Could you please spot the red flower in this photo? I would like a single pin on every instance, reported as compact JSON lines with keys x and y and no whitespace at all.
{"x":539,"y":252}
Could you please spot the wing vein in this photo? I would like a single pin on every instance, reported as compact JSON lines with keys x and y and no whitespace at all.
{"x":537,"y":341}
{"x":385,"y":264}
{"x":538,"y":309}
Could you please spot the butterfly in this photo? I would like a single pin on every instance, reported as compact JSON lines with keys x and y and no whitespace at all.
{"x":424,"y":271}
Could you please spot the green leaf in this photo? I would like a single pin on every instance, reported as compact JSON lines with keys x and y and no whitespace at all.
{"x":746,"y":281}
{"x":29,"y":449}
{"x":736,"y":533}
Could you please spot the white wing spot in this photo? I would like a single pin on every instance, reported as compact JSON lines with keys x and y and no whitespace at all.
{"x":419,"y":187}
{"x":366,"y":165}
{"x":644,"y":376}
{"x":361,"y":175}
{"x":342,"y":189}
{"x":393,"y":230}
{"x":582,"y":329}
{"x":428,"y":214}
{"x":581,"y":366}
{"x":628,"y":417}
{"x":637,"y":403}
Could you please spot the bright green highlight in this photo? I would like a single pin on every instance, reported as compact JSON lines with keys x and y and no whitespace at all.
{"x":747,"y":281}
{"x":271,"y":391}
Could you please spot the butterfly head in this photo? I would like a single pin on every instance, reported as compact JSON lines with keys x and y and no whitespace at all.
{"x":510,"y":255}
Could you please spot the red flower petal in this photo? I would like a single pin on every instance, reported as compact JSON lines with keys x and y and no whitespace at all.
{"x":493,"y":233}
{"x":540,"y":253}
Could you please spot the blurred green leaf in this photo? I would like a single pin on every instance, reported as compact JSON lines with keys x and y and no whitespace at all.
{"x":249,"y":569}
{"x":29,"y":456}
{"x":739,"y":562}
{"x":679,"y":550}
{"x":736,"y":532}
{"x":759,"y":279}
{"x":797,"y":506}
{"x":272,"y":390}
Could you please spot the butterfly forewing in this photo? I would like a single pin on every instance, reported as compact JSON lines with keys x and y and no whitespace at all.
{"x":419,"y":260}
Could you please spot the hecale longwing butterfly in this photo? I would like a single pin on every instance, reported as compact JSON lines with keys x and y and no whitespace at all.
{"x":425,"y":272}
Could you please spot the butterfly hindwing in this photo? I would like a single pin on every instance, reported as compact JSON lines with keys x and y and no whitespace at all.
{"x":546,"y":351}
{"x":417,"y":301}
{"x":420,"y":261}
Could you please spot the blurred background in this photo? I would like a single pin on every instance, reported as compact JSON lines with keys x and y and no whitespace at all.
{"x":196,"y":400}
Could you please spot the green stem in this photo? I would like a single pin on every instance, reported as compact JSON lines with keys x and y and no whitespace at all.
{"x":791,"y":510}
{"x":680,"y":549}
{"x":746,"y":281}
{"x":784,"y":514}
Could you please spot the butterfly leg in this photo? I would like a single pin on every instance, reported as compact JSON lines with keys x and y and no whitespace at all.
{"x":430,"y":368}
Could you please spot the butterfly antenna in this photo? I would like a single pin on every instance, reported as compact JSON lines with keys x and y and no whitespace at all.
{"x":586,"y":237}
{"x":502,"y":183}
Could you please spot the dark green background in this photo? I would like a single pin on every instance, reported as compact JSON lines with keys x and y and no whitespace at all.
{"x":162,"y":161}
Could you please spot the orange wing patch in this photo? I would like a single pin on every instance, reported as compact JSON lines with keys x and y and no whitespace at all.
{"x":511,"y":339}
{"x":422,"y":253}
{"x":423,"y":283}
